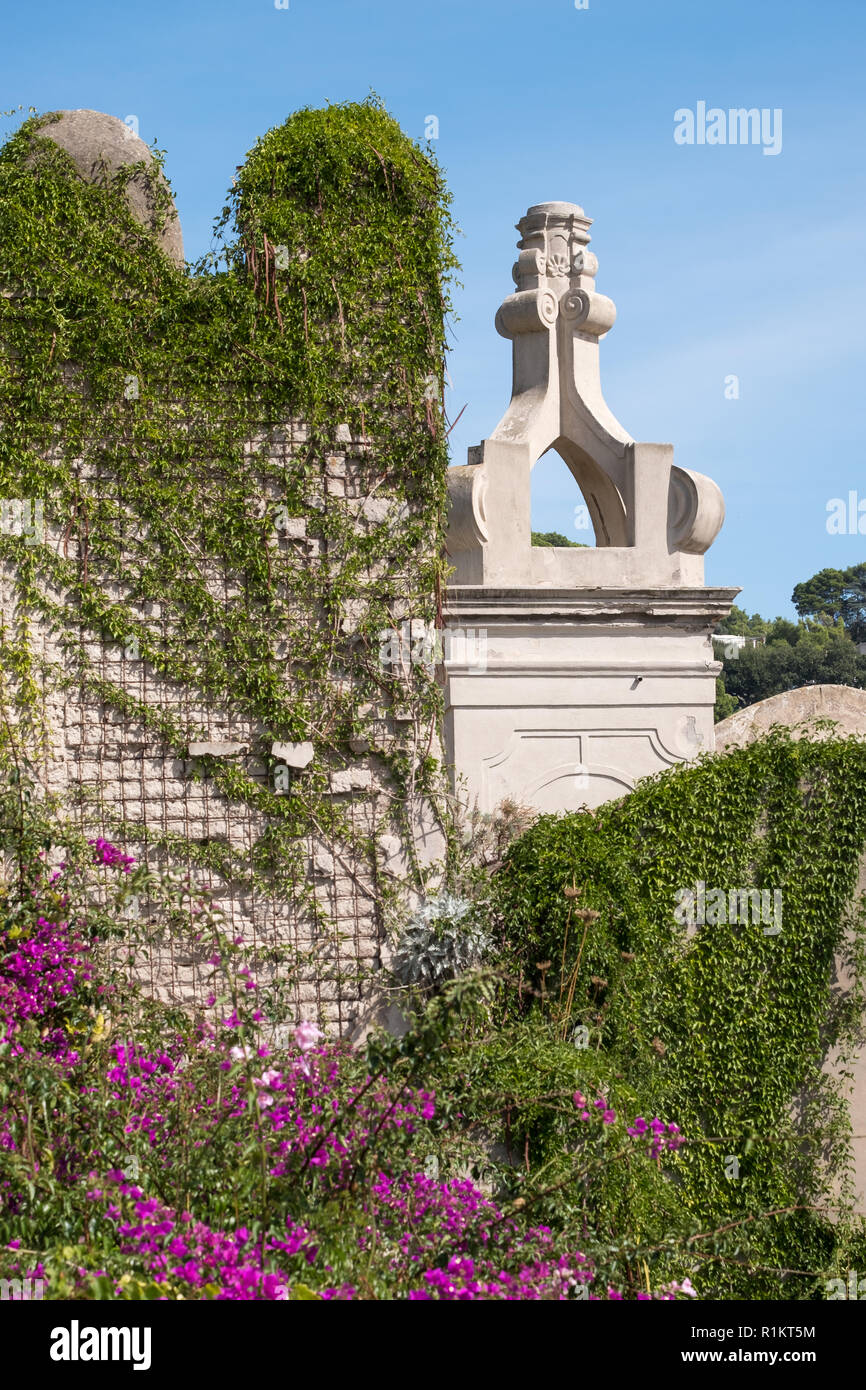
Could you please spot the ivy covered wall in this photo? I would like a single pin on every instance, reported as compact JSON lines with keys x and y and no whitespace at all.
{"x":223,"y":489}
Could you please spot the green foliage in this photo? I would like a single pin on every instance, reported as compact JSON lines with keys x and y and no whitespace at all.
{"x":602,"y":1008}
{"x":739,"y":622}
{"x":555,"y":538}
{"x":819,"y":649}
{"x":836,"y":596}
{"x":725,"y":703}
{"x":722,"y":1027}
{"x":153,"y":412}
{"x":792,"y":656}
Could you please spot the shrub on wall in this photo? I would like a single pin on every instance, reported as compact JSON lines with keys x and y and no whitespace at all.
{"x":622,"y":938}
{"x":183,"y":433}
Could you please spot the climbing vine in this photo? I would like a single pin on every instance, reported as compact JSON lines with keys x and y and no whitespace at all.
{"x":241,"y":463}
{"x":621,"y":942}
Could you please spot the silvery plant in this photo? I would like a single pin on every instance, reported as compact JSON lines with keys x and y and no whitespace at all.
{"x":439,"y":942}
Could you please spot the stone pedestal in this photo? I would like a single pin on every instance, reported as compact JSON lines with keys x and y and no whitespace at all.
{"x":572,"y":672}
{"x":564,"y":698}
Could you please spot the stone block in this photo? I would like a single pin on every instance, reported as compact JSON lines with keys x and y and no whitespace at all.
{"x":216,"y":750}
{"x":350,"y":779}
{"x":297,"y":755}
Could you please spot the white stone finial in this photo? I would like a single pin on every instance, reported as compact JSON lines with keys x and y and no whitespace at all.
{"x":653,"y":521}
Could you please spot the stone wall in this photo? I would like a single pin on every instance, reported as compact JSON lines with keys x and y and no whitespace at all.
{"x":120,"y":779}
{"x":316,"y":823}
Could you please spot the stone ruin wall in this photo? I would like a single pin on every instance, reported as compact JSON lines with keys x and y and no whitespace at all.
{"x":120,"y":778}
{"x":121,"y":782}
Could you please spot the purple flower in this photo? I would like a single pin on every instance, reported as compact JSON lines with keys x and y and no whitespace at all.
{"x":104,"y":852}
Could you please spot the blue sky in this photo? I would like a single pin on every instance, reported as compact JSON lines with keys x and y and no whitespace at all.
{"x":721,"y":260}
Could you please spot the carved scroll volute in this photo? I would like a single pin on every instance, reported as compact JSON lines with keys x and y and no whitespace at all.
{"x":587,"y":312}
{"x":528,"y":311}
{"x":467,"y":486}
{"x":696,"y":510}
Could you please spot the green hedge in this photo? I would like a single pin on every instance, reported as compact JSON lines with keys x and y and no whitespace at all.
{"x":721,"y":1026}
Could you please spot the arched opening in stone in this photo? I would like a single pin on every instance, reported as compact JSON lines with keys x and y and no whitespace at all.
{"x":558,"y":509}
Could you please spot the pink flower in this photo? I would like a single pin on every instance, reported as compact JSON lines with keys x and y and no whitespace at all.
{"x":307,"y":1035}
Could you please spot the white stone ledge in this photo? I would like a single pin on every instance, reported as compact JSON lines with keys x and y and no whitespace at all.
{"x":477,"y":604}
{"x":576,"y":669}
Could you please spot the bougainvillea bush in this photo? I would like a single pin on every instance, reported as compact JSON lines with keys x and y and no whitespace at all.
{"x":148,"y":1154}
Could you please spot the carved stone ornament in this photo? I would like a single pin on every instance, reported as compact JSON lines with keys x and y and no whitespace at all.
{"x":572,"y":672}
{"x":653,"y":520}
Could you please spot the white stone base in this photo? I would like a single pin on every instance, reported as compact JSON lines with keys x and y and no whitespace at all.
{"x":563,"y":699}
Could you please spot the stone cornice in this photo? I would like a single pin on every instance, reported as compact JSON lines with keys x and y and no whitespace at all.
{"x":478,"y":604}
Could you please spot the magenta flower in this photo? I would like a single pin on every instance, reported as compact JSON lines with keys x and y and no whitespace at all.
{"x":104,"y":852}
